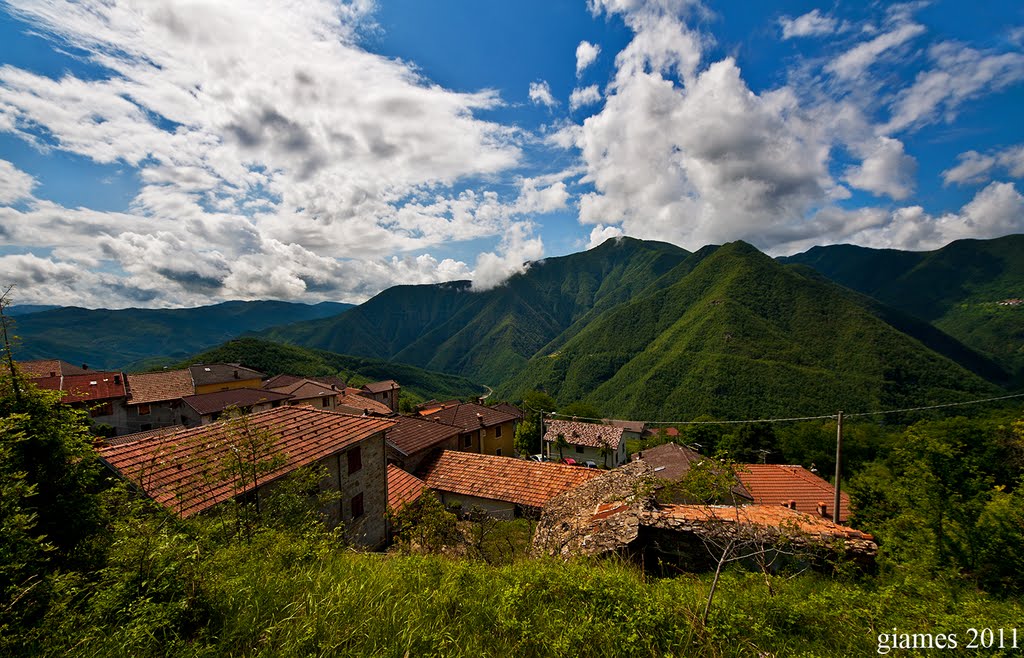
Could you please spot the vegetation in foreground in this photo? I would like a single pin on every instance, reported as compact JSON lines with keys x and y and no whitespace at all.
{"x":127,"y":579}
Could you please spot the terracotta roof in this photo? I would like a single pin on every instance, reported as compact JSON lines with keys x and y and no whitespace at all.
{"x":331,"y":380}
{"x":364,"y":404}
{"x":670,"y":432}
{"x":403,"y":487}
{"x":381,"y":387}
{"x":303,"y":389}
{"x":775,"y":516}
{"x":277,"y":381}
{"x":141,"y":436}
{"x":411,"y":435}
{"x":48,"y":368}
{"x":507,"y":479}
{"x":211,"y":403}
{"x":204,"y":374}
{"x":584,"y":434}
{"x":90,"y":387}
{"x":635,"y":426}
{"x":509,"y":409}
{"x":470,"y":415}
{"x":777,"y":484}
{"x":159,"y":386}
{"x":670,"y":461}
{"x":180,"y":470}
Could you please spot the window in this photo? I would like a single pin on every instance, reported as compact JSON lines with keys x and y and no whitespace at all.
{"x":143,"y":409}
{"x":325,"y":402}
{"x":497,"y":432}
{"x":105,"y":409}
{"x":467,"y":440}
{"x":497,"y":452}
{"x":357,"y":506}
{"x":579,"y":449}
{"x":355,"y":462}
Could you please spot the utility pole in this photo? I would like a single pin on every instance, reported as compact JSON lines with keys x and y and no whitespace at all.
{"x":839,"y":465}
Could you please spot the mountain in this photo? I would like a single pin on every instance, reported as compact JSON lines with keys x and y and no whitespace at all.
{"x":275,"y":359}
{"x":490,"y":334}
{"x":957,"y":288}
{"x":115,"y":338}
{"x":25,"y":309}
{"x":732,"y":333}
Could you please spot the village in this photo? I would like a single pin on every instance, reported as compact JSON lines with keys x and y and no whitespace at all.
{"x":162,"y":431}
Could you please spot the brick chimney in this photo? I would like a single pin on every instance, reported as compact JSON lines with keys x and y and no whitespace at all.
{"x":822,"y":509}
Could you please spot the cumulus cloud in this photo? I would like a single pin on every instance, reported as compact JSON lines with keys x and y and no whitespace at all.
{"x":586,"y":54}
{"x":974,"y":167}
{"x":601,"y":234}
{"x":540,"y":94}
{"x":885,"y":169}
{"x":813,"y":23}
{"x":15,"y":184}
{"x":585,"y":96}
{"x":251,"y":127}
{"x":517,"y":249}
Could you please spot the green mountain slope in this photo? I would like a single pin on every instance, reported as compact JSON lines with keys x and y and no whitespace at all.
{"x":491,"y":334}
{"x":739,"y":335}
{"x":957,"y":288}
{"x":113,"y":339}
{"x":274,"y":359}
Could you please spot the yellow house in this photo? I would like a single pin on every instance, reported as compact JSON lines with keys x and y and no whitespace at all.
{"x":485,"y":430}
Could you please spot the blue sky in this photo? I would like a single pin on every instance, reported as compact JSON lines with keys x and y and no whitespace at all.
{"x":165,"y":153}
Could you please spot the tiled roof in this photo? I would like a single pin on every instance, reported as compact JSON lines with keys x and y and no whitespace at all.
{"x":471,"y":416}
{"x":277,"y":381}
{"x":48,"y":368}
{"x":670,"y":432}
{"x":141,"y":436}
{"x":90,"y":387}
{"x":303,"y":389}
{"x":204,"y":374}
{"x":671,"y":461}
{"x":509,"y":409}
{"x":381,"y":387}
{"x":635,"y":426}
{"x":331,"y":380}
{"x":159,"y":386}
{"x":507,"y":479}
{"x":182,"y":472}
{"x":411,"y":435}
{"x":363,"y":404}
{"x":777,"y":484}
{"x":211,"y":403}
{"x":584,"y":434}
{"x":775,"y":516}
{"x":403,"y":487}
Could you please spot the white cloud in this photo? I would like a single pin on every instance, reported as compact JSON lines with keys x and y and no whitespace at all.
{"x":974,"y":167}
{"x":854,"y":62}
{"x":540,"y":200}
{"x":813,"y":23}
{"x":601,"y":234}
{"x":15,"y":184}
{"x":959,"y":74}
{"x":583,"y":97}
{"x":885,"y":169}
{"x":540,"y":94}
{"x":586,"y":53}
{"x":518,"y":248}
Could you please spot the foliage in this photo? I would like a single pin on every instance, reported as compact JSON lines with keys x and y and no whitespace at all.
{"x":425,"y":526}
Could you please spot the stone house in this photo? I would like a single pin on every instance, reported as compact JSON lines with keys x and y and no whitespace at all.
{"x":180,"y":469}
{"x":154,"y":400}
{"x":213,"y":377}
{"x":206,"y":408}
{"x":602,"y":444}
{"x":385,"y":392}
{"x":485,"y":430}
{"x":412,"y":440}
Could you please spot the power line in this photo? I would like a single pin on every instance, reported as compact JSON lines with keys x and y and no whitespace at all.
{"x":794,"y":419}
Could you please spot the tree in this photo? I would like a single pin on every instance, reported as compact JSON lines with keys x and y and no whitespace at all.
{"x":529,"y":431}
{"x":560,"y":445}
{"x":580,"y":410}
{"x":425,"y":525}
{"x":250,"y":453}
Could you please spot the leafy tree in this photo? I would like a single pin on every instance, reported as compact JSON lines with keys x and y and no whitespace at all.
{"x":424,"y":525}
{"x":580,"y":410}
{"x":560,"y":445}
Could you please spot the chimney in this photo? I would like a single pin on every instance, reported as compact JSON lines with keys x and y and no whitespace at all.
{"x":792,"y":504}
{"x":117,"y":379}
{"x":822,"y":509}
{"x":236,"y":374}
{"x":480,"y":417}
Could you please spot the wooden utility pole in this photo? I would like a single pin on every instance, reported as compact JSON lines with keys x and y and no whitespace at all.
{"x":839,"y":465}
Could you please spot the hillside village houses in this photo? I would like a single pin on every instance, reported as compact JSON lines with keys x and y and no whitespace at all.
{"x":172,"y":425}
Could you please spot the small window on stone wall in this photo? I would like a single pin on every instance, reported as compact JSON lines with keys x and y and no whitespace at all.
{"x":357,"y":506}
{"x":355,"y":460}
{"x":579,"y":449}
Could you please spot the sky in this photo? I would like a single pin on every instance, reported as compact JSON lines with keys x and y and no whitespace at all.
{"x":169,"y":153}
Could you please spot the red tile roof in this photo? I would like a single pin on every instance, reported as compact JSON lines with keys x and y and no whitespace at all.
{"x":159,"y":386}
{"x":362,"y":404}
{"x":584,"y":434}
{"x":141,"y":436}
{"x":205,"y":374}
{"x":403,"y":487}
{"x":211,"y":403}
{"x":411,"y":435}
{"x":381,"y":387}
{"x":778,"y":484}
{"x":181,"y":470}
{"x":277,"y":381}
{"x":507,"y":479}
{"x":48,"y":368}
{"x":303,"y":389}
{"x":635,"y":426}
{"x":90,"y":387}
{"x":471,"y":416}
{"x":509,"y":409}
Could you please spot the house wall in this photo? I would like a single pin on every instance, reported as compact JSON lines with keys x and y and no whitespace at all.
{"x":229,"y":385}
{"x":614,"y":459}
{"x":161,"y":414}
{"x":118,"y":418}
{"x":317,"y":402}
{"x":412,"y":463}
{"x":370,"y":529}
{"x":498,"y":509}
{"x":490,"y":443}
{"x":473,"y":443}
